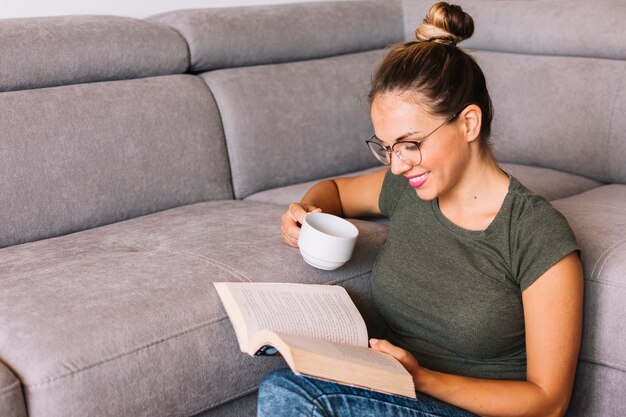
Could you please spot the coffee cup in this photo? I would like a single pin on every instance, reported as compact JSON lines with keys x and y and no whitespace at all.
{"x":326,"y":241}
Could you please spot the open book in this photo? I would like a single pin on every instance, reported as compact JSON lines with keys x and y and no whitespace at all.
{"x":316,"y":328}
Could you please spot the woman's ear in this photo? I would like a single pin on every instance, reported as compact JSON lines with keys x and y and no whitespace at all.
{"x":471,"y":118}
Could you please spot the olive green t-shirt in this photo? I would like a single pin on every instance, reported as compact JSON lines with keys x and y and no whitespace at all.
{"x":453,"y":297}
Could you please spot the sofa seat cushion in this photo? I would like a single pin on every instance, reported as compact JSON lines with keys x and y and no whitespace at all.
{"x":598,"y":218}
{"x":106,"y":321}
{"x":549,"y":183}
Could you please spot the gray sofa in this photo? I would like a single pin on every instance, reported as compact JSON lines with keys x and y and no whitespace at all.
{"x":142,"y":160}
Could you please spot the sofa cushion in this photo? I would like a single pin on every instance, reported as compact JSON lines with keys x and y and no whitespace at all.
{"x":51,"y":51}
{"x":538,"y":27}
{"x":234,"y":37}
{"x":598,"y":219}
{"x":563,"y":113}
{"x":76,"y":157}
{"x":549,"y":183}
{"x":107,"y":320}
{"x":598,"y":391}
{"x":303,"y":120}
{"x":11,"y":398}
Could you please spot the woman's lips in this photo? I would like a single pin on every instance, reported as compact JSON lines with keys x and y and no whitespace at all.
{"x":417,"y":181}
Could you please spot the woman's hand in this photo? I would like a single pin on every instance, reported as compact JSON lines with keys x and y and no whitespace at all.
{"x":292,"y":219}
{"x":403,"y":356}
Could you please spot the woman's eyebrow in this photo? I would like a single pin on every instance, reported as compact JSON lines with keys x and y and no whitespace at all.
{"x":399,"y":138}
{"x":406,"y":135}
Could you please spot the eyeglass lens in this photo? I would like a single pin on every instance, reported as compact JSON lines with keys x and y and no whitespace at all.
{"x":404,"y":151}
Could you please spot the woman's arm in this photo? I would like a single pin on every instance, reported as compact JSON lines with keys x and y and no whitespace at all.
{"x":347,"y":197}
{"x":553,"y":322}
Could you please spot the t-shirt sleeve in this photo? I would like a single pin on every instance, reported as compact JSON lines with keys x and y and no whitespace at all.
{"x":543,"y":238}
{"x":393,"y":188}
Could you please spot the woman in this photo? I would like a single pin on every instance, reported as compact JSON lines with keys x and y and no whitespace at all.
{"x":479,"y":281}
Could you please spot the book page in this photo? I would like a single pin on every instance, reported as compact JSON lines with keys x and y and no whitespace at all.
{"x":319,"y":311}
{"x":346,"y":353}
{"x":346,"y":364}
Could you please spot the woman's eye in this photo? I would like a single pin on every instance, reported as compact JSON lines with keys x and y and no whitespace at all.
{"x":410,"y":146}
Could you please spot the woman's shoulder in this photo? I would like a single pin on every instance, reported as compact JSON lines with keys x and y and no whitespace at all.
{"x":527,"y":205}
{"x":534,"y":221}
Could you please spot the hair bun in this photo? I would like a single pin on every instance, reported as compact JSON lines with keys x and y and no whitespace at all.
{"x":445,"y":23}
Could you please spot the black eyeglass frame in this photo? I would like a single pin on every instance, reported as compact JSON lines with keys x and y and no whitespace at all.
{"x":376,"y":142}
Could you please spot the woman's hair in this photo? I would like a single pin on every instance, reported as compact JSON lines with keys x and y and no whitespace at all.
{"x":434,"y":72}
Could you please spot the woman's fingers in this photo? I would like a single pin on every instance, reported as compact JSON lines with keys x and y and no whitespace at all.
{"x":403,"y":356}
{"x":292,"y":219}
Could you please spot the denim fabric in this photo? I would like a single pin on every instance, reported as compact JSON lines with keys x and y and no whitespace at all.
{"x":284,"y":394}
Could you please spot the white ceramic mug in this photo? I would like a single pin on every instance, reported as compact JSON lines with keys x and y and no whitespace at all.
{"x":326,"y":241}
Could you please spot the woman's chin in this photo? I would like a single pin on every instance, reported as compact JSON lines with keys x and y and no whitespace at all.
{"x":425,"y":194}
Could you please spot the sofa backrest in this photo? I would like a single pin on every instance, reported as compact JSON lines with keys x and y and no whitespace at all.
{"x":294,"y":108}
{"x":51,"y":51}
{"x":92,"y":152}
{"x":556,"y":73}
{"x":255,"y":35}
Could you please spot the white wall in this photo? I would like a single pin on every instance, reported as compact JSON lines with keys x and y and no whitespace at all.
{"x":132,"y":8}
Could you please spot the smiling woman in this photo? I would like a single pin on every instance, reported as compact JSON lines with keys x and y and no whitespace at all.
{"x":474,"y":261}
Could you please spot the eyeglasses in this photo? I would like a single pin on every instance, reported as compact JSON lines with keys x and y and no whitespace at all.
{"x":405,"y":150}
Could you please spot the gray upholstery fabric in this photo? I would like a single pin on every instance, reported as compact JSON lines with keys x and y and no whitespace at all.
{"x":598,"y":218}
{"x":233,"y":37}
{"x":291,"y":193}
{"x":559,"y":112}
{"x":76,"y":157}
{"x":50,"y":51}
{"x":598,"y":391}
{"x":572,"y":28}
{"x":303,"y":120}
{"x":11,"y":398}
{"x":549,"y":183}
{"x":146,"y":323}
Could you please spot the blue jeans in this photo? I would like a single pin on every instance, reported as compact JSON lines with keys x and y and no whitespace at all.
{"x":284,"y":394}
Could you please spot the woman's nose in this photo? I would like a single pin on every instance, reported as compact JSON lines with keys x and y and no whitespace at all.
{"x":398,"y":166}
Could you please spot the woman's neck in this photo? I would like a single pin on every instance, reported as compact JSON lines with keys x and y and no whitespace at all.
{"x":475,"y":200}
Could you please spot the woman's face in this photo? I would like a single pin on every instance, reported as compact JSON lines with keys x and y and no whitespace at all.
{"x":445,"y":153}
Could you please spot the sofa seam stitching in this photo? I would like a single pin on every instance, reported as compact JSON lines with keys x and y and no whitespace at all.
{"x":224,"y":267}
{"x":214,"y":262}
{"x":10,"y":388}
{"x":607,"y":283}
{"x":604,"y":258}
{"x":603,"y":363}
